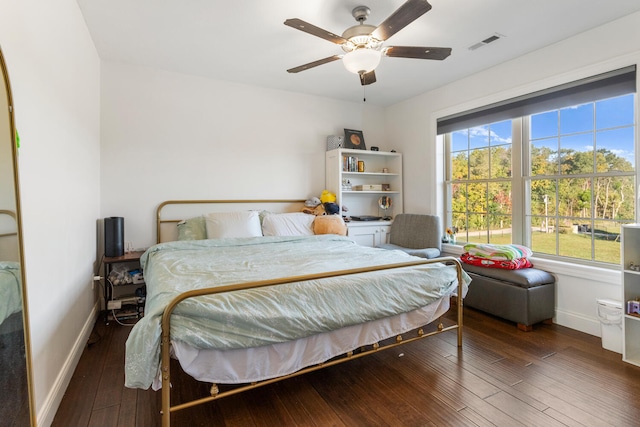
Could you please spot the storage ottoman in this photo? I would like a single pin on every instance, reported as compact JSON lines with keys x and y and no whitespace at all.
{"x":525,"y":296}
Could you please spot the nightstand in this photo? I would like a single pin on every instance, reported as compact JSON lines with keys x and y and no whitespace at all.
{"x":120,"y":299}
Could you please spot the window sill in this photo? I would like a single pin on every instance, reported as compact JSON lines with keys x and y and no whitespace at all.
{"x":596,"y":274}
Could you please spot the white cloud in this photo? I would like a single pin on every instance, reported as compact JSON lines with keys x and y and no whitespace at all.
{"x":483,"y":132}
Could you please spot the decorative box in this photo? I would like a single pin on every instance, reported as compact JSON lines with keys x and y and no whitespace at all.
{"x":368,"y":187}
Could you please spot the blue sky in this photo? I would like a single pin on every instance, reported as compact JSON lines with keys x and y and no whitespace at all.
{"x":612,"y":120}
{"x":572,"y":128}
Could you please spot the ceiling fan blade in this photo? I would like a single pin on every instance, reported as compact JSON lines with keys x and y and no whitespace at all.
{"x":301,"y":25}
{"x":418,"y":52}
{"x":367,"y":78}
{"x":406,"y":14}
{"x":314,"y":64}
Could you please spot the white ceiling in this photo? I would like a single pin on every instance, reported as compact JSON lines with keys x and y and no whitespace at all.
{"x":246,"y":41}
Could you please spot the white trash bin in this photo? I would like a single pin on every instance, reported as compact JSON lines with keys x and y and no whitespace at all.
{"x":610,"y":315}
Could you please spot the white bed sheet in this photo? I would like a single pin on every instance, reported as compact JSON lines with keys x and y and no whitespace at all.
{"x":256,"y":364}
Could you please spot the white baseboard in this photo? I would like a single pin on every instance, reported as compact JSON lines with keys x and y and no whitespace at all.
{"x":52,"y":402}
{"x":579,"y":322}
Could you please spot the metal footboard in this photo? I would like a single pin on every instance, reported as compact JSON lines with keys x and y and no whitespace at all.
{"x":216,"y":394}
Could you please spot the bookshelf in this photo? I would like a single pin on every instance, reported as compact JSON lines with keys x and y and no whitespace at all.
{"x":630,"y":292}
{"x":359,"y":179}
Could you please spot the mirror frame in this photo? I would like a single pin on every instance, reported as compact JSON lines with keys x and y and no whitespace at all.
{"x":25,"y":311}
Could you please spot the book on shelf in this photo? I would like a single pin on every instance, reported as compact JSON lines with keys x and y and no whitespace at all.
{"x":350,"y":164}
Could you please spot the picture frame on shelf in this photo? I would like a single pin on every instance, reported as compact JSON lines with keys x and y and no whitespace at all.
{"x":354,"y":139}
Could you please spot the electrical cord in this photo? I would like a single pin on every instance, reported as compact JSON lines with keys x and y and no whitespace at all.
{"x":97,"y":273}
{"x":113,"y":311}
{"x":95,"y":334}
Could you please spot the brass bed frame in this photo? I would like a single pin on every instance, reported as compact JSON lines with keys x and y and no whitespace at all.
{"x":12,"y":214}
{"x":215,"y":392}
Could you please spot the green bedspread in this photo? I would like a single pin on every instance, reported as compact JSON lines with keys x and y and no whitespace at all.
{"x":10,"y":291}
{"x":270,"y":315}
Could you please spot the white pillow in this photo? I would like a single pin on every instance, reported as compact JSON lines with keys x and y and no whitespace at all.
{"x":233,"y":224}
{"x":288,"y":224}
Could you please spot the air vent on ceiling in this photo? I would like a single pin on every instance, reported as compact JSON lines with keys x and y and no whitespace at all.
{"x":486,"y":41}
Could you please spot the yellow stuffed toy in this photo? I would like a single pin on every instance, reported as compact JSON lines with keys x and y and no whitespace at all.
{"x":327,"y":197}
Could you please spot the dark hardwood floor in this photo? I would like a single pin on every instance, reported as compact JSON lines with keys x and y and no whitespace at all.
{"x":552,"y":376}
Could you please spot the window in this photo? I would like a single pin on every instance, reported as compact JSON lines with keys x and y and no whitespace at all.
{"x":481,"y":183}
{"x":582,"y":179}
{"x":561,"y":180}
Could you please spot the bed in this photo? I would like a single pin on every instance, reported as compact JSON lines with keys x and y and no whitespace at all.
{"x":10,"y":290}
{"x":263,"y":302}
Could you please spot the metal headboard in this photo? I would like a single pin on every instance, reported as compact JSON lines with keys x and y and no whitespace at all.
{"x":12,"y":214}
{"x":284,"y":205}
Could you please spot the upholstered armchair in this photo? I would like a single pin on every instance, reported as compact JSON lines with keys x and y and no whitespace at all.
{"x":416,"y":234}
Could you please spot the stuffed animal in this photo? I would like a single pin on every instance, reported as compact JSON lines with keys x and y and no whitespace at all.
{"x":317,"y":210}
{"x":313,"y":206}
{"x":329,"y":224}
{"x":327,"y":197}
{"x":331,"y":208}
{"x":312,"y":202}
{"x":317,"y":207}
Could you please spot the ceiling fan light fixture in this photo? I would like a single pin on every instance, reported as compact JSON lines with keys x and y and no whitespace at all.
{"x":362,"y":60}
{"x":363,"y":43}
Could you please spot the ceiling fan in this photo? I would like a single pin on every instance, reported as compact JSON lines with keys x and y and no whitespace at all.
{"x":363,"y":43}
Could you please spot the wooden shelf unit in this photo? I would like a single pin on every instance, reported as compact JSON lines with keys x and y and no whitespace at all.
{"x":381,"y":168}
{"x":630,"y":291}
{"x":130,"y":309}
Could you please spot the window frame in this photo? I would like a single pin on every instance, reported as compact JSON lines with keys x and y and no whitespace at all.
{"x":521,"y":179}
{"x":517,"y":188}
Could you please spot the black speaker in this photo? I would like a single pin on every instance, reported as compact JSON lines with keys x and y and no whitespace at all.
{"x":114,"y":236}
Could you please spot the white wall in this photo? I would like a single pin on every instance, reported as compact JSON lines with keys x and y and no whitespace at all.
{"x":608,"y":47}
{"x":55,"y":75}
{"x":173,"y":136}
